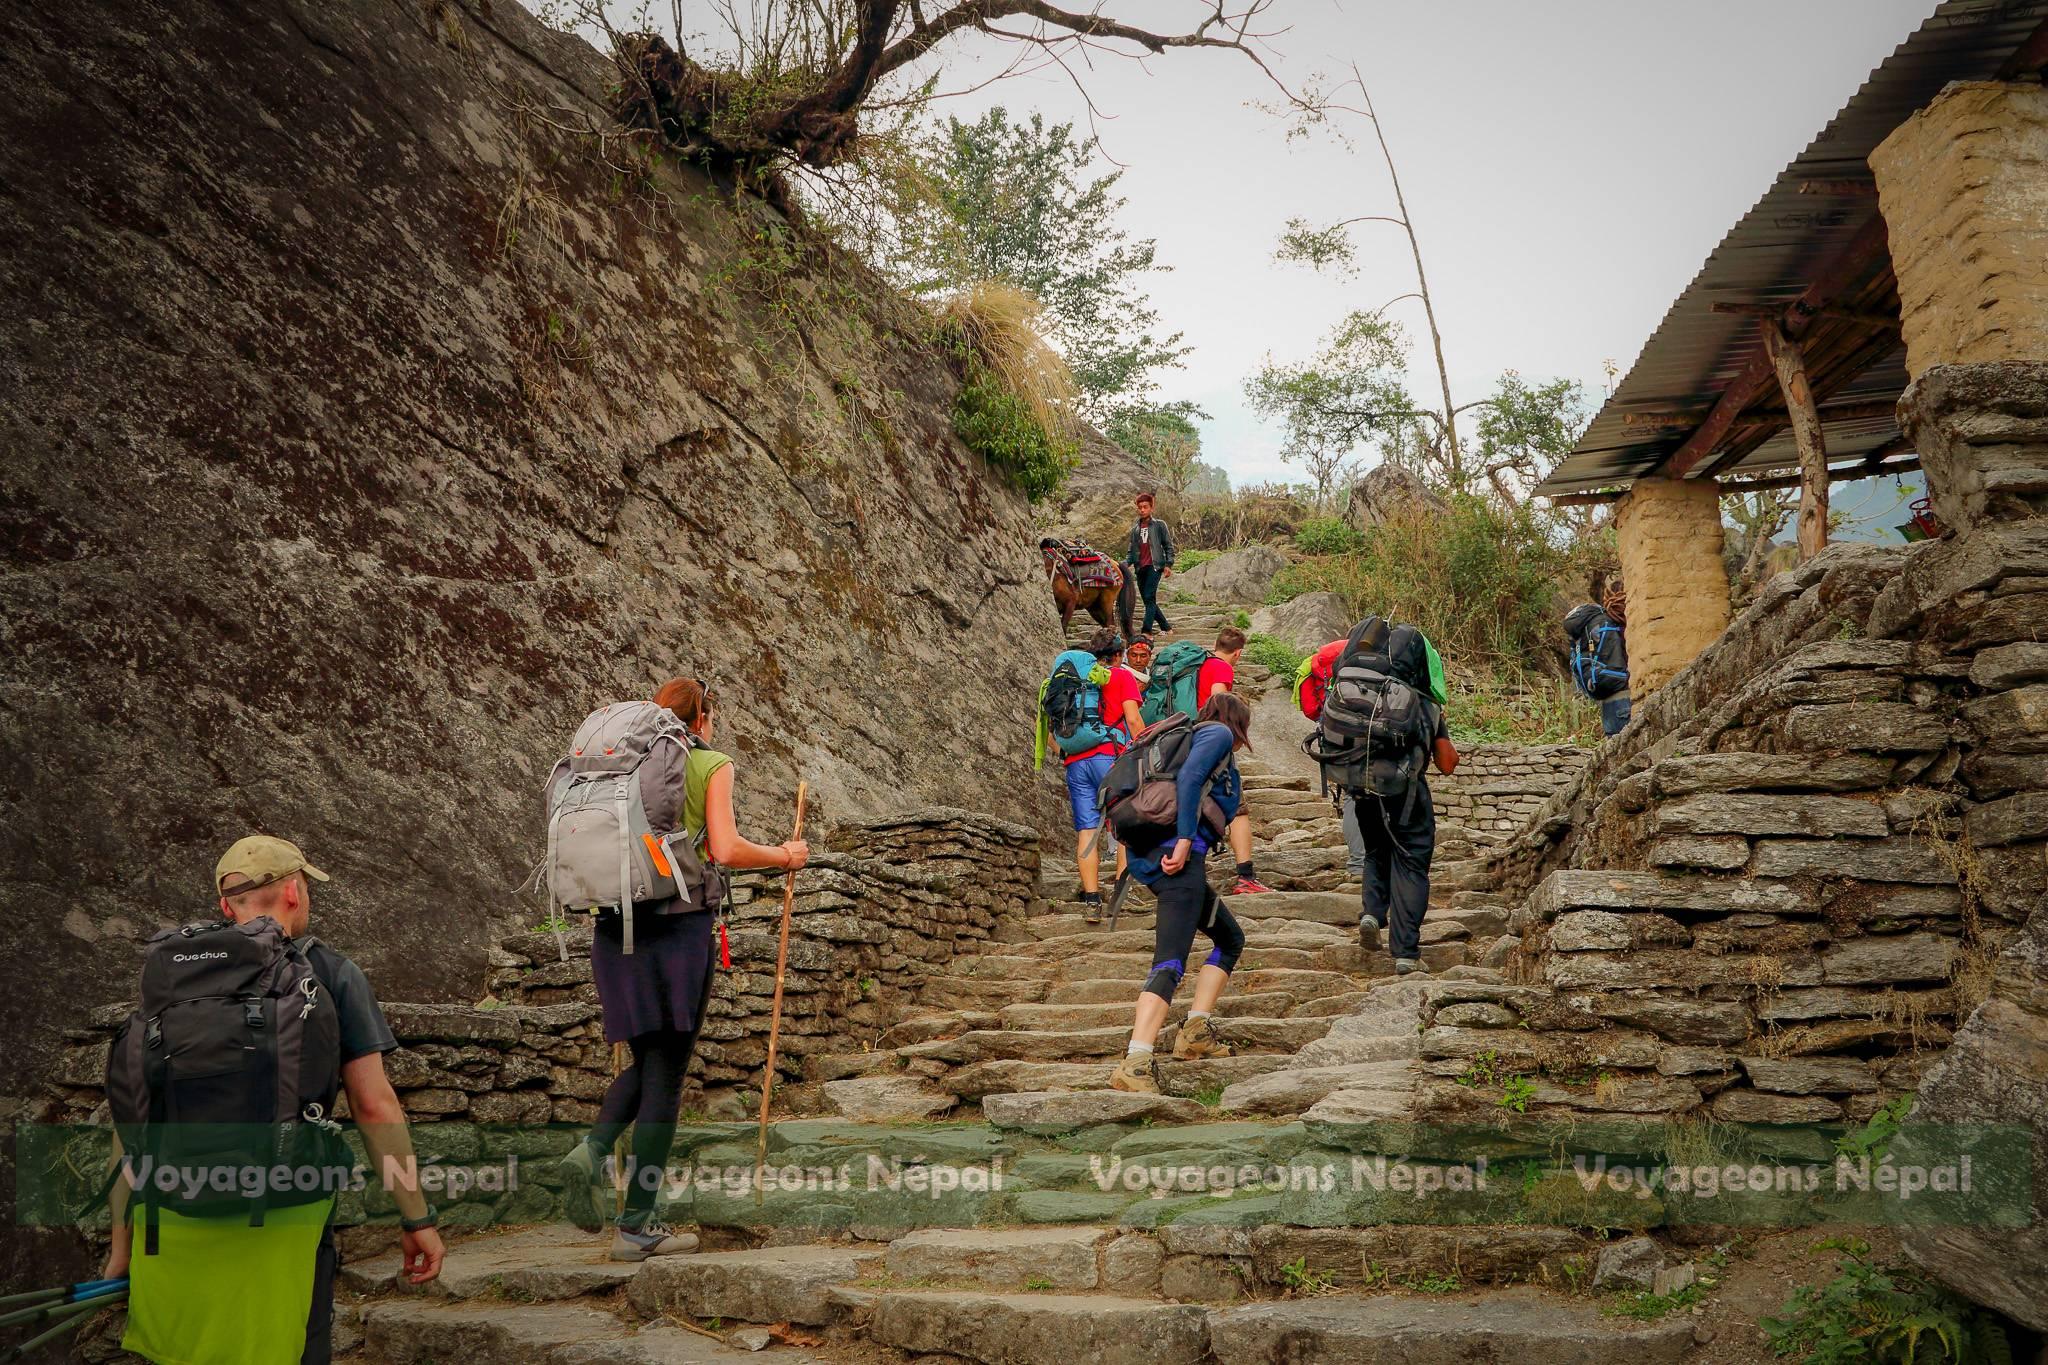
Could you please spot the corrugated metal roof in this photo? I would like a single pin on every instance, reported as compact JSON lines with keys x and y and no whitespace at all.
{"x":1772,"y":254}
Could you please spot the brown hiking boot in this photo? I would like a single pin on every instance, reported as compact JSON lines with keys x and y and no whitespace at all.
{"x":1134,"y":1074}
{"x":1198,"y":1039}
{"x":1091,"y":912}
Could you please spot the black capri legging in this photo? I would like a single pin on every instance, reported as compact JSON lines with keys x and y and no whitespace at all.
{"x":1186,"y":903}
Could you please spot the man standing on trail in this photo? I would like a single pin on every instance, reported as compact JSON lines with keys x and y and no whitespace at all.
{"x":1150,"y":557}
{"x":1207,"y":790}
{"x":1219,"y":675}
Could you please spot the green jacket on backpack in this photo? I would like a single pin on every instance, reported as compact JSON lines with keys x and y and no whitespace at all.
{"x":1175,"y":671}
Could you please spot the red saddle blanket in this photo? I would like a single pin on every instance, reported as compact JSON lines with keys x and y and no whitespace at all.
{"x":1089,"y":567}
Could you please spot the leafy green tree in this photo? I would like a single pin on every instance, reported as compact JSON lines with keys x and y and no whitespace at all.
{"x":1020,"y":202}
{"x":1352,"y":397}
{"x":1350,"y":394}
{"x":1166,"y":441}
{"x":1525,"y":429}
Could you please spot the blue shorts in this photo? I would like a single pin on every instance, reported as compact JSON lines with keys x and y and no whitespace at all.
{"x":1084,"y":783}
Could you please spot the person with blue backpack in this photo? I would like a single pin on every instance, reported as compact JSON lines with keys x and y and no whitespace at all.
{"x":1088,"y":710}
{"x":1599,"y":657}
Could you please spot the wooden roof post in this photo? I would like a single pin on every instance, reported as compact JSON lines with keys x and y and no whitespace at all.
{"x":1806,"y":433}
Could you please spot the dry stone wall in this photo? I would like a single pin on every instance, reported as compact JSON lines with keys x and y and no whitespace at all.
{"x":1499,"y":788}
{"x":1808,"y":880}
{"x":882,"y":906}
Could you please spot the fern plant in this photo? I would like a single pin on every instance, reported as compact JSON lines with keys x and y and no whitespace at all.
{"x":1883,"y":1315}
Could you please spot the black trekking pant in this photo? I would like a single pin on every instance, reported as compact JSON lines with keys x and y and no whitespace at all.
{"x":320,"y":1317}
{"x":1400,"y":840}
{"x":1188,"y":903}
{"x":1148,"y":588}
{"x":648,"y":1094}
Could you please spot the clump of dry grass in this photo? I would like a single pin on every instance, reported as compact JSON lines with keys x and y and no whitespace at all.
{"x":1002,"y":329}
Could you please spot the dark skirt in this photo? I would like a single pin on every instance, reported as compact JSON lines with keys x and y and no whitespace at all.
{"x":664,"y":984}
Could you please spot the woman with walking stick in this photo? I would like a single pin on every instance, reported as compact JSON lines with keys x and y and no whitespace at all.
{"x":655,"y":995}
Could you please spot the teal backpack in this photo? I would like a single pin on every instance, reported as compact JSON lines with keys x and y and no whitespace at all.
{"x":1175,"y":671}
{"x":1072,"y":703}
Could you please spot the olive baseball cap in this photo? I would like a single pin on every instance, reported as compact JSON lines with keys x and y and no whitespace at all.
{"x":263,"y":860}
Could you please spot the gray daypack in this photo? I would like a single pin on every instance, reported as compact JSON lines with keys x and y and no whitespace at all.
{"x":231,"y":1063}
{"x":603,"y":853}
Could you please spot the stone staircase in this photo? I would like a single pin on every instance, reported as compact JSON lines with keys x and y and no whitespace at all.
{"x":1061,"y":1255}
{"x":1013,"y":1296}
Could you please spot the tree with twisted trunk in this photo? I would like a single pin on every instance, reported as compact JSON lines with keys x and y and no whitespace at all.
{"x":788,"y":83}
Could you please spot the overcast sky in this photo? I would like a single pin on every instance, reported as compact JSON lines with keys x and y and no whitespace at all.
{"x":1568,"y":165}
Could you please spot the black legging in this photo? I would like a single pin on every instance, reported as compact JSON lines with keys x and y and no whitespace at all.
{"x":1186,"y":903}
{"x":648,"y":1094}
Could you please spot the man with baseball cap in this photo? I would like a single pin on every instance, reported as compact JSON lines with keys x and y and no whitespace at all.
{"x":237,"y":1299}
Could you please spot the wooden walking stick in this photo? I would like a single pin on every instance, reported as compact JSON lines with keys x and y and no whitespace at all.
{"x":775,"y":1014}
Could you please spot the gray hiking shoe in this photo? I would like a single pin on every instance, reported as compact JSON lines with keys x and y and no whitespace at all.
{"x":656,"y":1239}
{"x":1405,"y":965}
{"x":1368,"y":933}
{"x":579,"y":1172}
{"x":1091,"y":912}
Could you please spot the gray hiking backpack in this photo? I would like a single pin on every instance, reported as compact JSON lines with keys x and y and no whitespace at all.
{"x":603,"y":853}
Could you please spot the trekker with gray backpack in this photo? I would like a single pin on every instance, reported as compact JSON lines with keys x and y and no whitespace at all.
{"x":640,"y":824}
{"x":1376,"y":734}
{"x":222,"y":1087}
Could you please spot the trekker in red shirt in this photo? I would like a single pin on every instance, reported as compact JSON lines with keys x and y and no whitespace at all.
{"x":1219,"y":674}
{"x":1085,"y":771}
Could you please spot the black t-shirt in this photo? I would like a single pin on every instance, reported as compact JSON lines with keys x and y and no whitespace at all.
{"x":364,"y":1029}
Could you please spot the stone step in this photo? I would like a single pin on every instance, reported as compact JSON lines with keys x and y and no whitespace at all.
{"x":413,"y":1332}
{"x":1099,"y":938}
{"x":1270,"y":1004}
{"x":1323,"y":907}
{"x":1518,"y":1325}
{"x":1176,"y":1078}
{"x":1295,"y":1091}
{"x":1065,"y":1258}
{"x":1272,"y":1035}
{"x":1064,"y":1111}
{"x":1274,"y":782}
{"x":886,"y":1099}
{"x":774,"y":1284}
{"x":959,"y":992}
{"x":1029,"y":1045}
{"x":922,"y":1028}
{"x":1057,"y":1329}
{"x":535,"y":1264}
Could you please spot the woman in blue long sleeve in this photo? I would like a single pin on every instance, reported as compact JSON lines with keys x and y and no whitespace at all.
{"x":1177,"y":872}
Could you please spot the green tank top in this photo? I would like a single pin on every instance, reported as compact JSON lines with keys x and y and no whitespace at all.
{"x":697,"y":771}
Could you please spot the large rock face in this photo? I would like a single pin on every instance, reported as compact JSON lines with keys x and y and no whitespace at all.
{"x":1307,"y":622}
{"x":1238,"y":577}
{"x":365,"y":427}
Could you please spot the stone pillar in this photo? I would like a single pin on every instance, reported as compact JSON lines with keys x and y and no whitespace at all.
{"x":1670,"y":534}
{"x":1963,"y":185}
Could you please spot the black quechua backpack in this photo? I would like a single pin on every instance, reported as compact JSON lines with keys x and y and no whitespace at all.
{"x":222,"y":1082}
{"x":1140,"y":794}
{"x":1374,"y":731}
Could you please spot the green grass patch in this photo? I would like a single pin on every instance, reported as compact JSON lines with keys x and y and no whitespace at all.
{"x":1328,"y":536}
{"x":1642,"y":1306}
{"x":1275,"y":654}
{"x":1193,"y":559}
